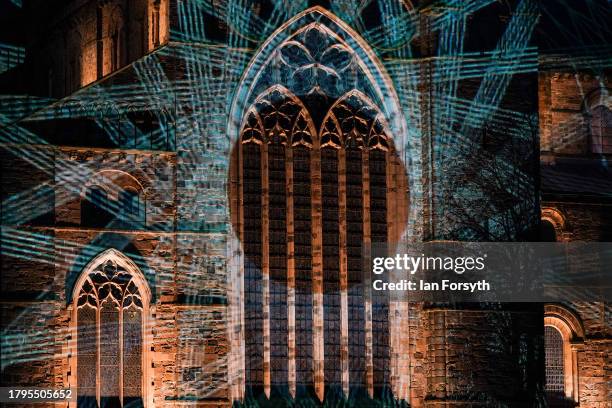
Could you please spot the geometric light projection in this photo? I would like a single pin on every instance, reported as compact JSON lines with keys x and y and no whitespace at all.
{"x":305,"y":297}
{"x":362,"y":96}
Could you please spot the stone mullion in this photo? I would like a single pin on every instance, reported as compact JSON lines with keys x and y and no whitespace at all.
{"x":367,"y":239}
{"x":391,"y":239}
{"x":239,"y":386}
{"x":343,"y":268}
{"x":290,"y":270}
{"x":317,"y":270}
{"x":121,"y":367}
{"x":265,"y":265}
{"x":99,"y":358}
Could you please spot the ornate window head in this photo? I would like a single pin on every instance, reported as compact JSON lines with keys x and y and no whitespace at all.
{"x":109,"y":320}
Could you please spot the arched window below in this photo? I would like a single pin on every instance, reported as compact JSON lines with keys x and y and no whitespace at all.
{"x":110,"y":310}
{"x":95,"y":208}
{"x":562,"y":337}
{"x":555,"y":376}
{"x":601,"y":130}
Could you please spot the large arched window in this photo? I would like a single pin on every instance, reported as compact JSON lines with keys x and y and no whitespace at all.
{"x":311,"y":195}
{"x":315,"y":179}
{"x":601,"y":130}
{"x":110,"y":311}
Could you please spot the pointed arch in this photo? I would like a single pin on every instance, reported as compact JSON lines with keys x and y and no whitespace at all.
{"x":277,"y":112}
{"x":352,"y":116}
{"x":363,"y":61}
{"x":121,"y":261}
{"x":110,"y":322}
{"x":315,"y":63}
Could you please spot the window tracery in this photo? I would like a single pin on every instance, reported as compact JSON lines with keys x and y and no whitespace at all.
{"x":110,"y":310}
{"x":285,"y":161}
{"x":318,"y":65}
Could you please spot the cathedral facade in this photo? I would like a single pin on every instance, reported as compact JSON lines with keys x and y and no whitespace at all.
{"x":188,"y":186}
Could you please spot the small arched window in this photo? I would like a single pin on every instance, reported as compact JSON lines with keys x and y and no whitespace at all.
{"x":562,"y":337}
{"x":114,"y":199}
{"x":555,"y":376}
{"x":601,"y":130}
{"x":547,"y":231}
{"x":110,"y":310}
{"x":95,"y":208}
{"x":117,"y":38}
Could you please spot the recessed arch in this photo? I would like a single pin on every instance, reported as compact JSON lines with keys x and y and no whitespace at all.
{"x":113,"y":181}
{"x":110,"y":322}
{"x":378,"y":83}
{"x":557,"y":219}
{"x":564,"y":330}
{"x":320,"y":62}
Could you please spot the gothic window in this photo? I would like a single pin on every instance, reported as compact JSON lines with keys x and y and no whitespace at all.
{"x":315,"y":178}
{"x":155,"y":34}
{"x":291,"y":242}
{"x":111,"y":301}
{"x":114,"y":50}
{"x":116,"y":39}
{"x":601,"y":130}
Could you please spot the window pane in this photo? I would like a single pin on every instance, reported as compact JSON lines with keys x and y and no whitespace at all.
{"x":278,"y":267}
{"x":87,"y":355}
{"x":109,"y":354}
{"x":132,"y":356}
{"x":253,"y":302}
{"x":302,"y":229}
{"x":555,"y":379}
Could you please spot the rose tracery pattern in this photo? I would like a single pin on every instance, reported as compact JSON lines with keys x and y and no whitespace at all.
{"x":316,"y":58}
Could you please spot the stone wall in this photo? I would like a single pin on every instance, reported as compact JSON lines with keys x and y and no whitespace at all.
{"x":565,"y":100}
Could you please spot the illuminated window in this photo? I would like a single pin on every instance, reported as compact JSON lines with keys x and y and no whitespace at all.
{"x":110,"y":310}
{"x":601,"y":130}
{"x":555,"y":377}
{"x":295,"y":182}
{"x":563,"y":334}
{"x":314,"y":177}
